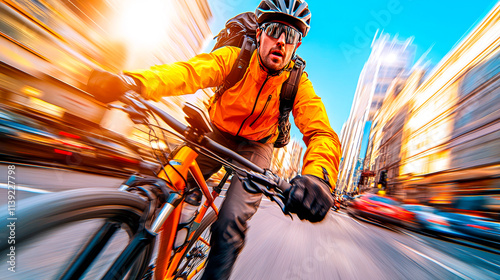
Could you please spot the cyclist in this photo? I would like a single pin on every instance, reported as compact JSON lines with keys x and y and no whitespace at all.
{"x":245,"y":119}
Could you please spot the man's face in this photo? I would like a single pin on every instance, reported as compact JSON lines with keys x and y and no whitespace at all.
{"x":275,"y":53}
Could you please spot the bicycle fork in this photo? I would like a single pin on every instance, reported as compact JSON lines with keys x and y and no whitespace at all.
{"x":141,"y":240}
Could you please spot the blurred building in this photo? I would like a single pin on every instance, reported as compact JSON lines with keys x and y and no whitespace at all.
{"x":438,"y":137}
{"x":286,"y":161}
{"x":389,"y":59}
{"x":48,"y":49}
{"x":383,"y":158}
{"x":45,"y":59}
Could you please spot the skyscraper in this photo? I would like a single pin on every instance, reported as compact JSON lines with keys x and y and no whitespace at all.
{"x":389,"y":59}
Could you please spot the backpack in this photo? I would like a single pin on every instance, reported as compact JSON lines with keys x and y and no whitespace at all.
{"x":240,"y":31}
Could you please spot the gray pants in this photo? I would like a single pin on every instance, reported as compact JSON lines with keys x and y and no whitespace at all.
{"x":228,"y":232}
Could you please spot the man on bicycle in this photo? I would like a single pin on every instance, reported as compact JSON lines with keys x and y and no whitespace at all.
{"x":245,"y":119}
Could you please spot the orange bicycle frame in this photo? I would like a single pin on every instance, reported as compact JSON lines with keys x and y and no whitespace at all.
{"x":176,"y":172}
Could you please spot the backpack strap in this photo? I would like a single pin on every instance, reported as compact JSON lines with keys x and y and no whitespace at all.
{"x":239,"y":67}
{"x":287,"y":98}
{"x":290,"y":87}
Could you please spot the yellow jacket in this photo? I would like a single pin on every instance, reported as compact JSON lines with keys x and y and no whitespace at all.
{"x":250,"y":108}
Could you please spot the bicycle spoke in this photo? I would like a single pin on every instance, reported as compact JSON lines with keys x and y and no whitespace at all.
{"x":203,"y":240}
{"x":198,"y":269}
{"x":198,"y":256}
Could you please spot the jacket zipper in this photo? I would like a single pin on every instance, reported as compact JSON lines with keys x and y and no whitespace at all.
{"x":262,"y":112}
{"x":254,"y":105}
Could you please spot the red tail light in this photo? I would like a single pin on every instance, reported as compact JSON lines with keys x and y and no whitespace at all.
{"x":478,"y":226}
{"x":66,"y":153}
{"x":129,"y":160}
{"x":440,"y":222}
{"x":67,"y":134}
{"x":73,"y":143}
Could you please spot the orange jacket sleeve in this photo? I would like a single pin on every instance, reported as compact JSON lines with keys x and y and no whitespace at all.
{"x":323,"y":145}
{"x":202,"y":71}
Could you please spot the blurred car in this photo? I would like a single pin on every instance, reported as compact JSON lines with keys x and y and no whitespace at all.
{"x":479,"y":204}
{"x":336,"y":202}
{"x":476,"y":217}
{"x":344,"y":200}
{"x":350,"y":202}
{"x":27,"y":140}
{"x":430,"y":219}
{"x":476,"y":227}
{"x":112,"y":154}
{"x":381,"y":208}
{"x":44,"y":141}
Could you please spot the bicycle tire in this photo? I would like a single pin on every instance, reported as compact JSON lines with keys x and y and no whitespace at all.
{"x":39,"y":217}
{"x":205,"y":225}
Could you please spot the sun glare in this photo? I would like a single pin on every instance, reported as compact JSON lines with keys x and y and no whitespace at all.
{"x":145,"y":22}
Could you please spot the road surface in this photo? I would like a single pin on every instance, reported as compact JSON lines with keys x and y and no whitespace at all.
{"x":277,"y":247}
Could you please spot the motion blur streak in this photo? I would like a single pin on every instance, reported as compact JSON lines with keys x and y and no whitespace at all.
{"x":437,"y":262}
{"x":428,"y":137}
{"x":418,"y":190}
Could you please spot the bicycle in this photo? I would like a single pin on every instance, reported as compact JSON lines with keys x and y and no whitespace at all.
{"x":145,"y":208}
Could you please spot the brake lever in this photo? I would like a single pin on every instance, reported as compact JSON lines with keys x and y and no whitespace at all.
{"x":133,"y":101}
{"x":256,"y":183}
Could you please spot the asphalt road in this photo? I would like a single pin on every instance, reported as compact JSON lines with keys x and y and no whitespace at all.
{"x":277,"y":247}
{"x":341,"y":247}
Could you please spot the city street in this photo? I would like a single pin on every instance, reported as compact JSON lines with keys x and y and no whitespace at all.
{"x":396,"y":116}
{"x":278,"y":247}
{"x":341,"y":247}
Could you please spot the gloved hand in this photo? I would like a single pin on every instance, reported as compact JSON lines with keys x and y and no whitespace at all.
{"x":107,"y":87}
{"x":309,"y":197}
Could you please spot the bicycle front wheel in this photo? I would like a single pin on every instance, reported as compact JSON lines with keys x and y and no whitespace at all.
{"x":49,"y":231}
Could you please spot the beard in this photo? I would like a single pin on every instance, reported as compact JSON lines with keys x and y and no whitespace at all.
{"x":275,"y":63}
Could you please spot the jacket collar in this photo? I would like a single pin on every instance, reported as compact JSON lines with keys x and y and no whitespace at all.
{"x":259,"y":74}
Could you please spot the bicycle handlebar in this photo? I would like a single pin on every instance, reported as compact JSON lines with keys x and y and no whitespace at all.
{"x":259,"y":179}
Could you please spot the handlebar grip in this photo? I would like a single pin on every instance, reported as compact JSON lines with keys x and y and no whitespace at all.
{"x":283,"y":185}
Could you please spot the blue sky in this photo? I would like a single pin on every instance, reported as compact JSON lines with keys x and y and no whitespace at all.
{"x":338,"y":44}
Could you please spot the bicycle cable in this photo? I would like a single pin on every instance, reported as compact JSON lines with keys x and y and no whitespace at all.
{"x":150,"y":133}
{"x":168,"y":162}
{"x":202,"y":150}
{"x":205,"y":151}
{"x":162,"y":133}
{"x":154,"y":150}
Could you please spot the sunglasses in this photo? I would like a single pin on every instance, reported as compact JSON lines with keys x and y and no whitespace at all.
{"x":275,"y":29}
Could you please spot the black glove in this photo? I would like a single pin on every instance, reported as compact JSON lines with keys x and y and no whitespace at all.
{"x":107,"y":87}
{"x":309,"y":197}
